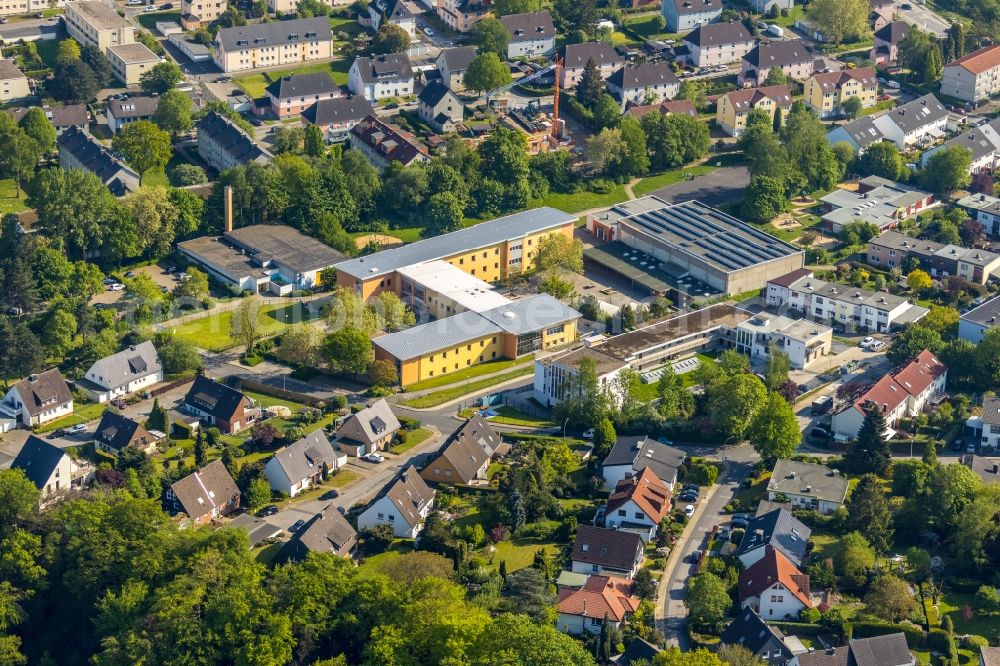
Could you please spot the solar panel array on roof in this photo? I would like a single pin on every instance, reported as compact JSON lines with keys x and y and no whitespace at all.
{"x":730,"y":243}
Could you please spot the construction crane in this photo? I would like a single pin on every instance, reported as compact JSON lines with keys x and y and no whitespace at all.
{"x":556,"y":67}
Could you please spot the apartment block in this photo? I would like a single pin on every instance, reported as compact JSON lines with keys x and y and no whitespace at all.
{"x":95,"y":23}
{"x":272,"y":44}
{"x":973,"y":77}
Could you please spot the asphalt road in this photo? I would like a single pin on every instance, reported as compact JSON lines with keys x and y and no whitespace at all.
{"x":922,"y":16}
{"x":739,"y":461}
{"x":716,"y":187}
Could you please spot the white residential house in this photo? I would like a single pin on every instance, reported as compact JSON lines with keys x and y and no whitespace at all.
{"x":632,"y":454}
{"x":684,"y":15}
{"x":122,"y":374}
{"x":532,"y":34}
{"x":644,"y":84}
{"x":404,"y":503}
{"x":38,"y":399}
{"x":922,"y":119}
{"x":638,"y":504}
{"x":774,"y":587}
{"x":598,"y":550}
{"x":297,"y":467}
{"x":900,"y":394}
{"x":382,"y":76}
{"x":48,"y":467}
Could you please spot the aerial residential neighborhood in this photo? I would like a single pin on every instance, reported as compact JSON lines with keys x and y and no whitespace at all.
{"x":413,"y":332}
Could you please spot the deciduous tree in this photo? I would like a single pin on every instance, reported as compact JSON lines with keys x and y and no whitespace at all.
{"x":174,"y":112}
{"x":143,"y":145}
{"x":161,"y":77}
{"x":774,"y":430}
{"x":486,"y":72}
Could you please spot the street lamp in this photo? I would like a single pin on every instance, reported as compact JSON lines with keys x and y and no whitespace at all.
{"x":564,"y":427}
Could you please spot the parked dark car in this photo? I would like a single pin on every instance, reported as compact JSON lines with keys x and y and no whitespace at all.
{"x":268,"y":511}
{"x":820,"y":433}
{"x":296,"y":526}
{"x":329,"y":495}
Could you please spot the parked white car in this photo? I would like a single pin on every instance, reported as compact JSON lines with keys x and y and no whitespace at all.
{"x":588,"y":434}
{"x":79,"y":427}
{"x":877,"y":345}
{"x":689,"y":510}
{"x":373,"y":457}
{"x":867,"y":342}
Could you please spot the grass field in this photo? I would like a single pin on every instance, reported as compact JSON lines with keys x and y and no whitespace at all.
{"x":407,"y":235}
{"x":148,"y":21}
{"x":577,"y":201}
{"x":645,"y":27}
{"x":9,"y":203}
{"x":373,"y":564}
{"x":255,"y":84}
{"x":519,"y":553}
{"x":82,"y":413}
{"x":650,"y":183}
{"x":510,"y":416}
{"x":213,"y":332}
{"x":413,"y":438}
{"x":447,"y":395}
{"x":468,"y":373}
{"x":951,"y":604}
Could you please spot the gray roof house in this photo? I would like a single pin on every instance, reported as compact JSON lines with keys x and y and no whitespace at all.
{"x":369,"y":430}
{"x":684,"y":15}
{"x":887,"y":650}
{"x":645,"y":83}
{"x":391,"y":11}
{"x":452,"y":63}
{"x":38,"y":399}
{"x":116,"y":432}
{"x":404,"y":503}
{"x":597,"y":550}
{"x":765,"y":642}
{"x":382,"y":76}
{"x":326,"y":532}
{"x":48,"y":467}
{"x":130,"y":370}
{"x":337,"y":116}
{"x":291,"y":95}
{"x":633,"y":454}
{"x":808,"y":486}
{"x":61,"y":117}
{"x":79,"y":150}
{"x":205,"y":494}
{"x":439,"y":107}
{"x":302,"y":464}
{"x":121,"y":112}
{"x":224,"y":145}
{"x":531,"y":34}
{"x":779,"y":529}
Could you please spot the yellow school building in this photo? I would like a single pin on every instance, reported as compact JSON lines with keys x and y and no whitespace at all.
{"x":489,"y":251}
{"x":444,"y":346}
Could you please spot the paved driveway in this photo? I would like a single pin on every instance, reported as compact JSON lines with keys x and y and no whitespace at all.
{"x":723,"y":185}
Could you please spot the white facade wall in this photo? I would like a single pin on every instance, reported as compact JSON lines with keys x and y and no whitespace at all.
{"x":775,"y":603}
{"x":126,"y":389}
{"x":378,"y":90}
{"x":384,"y":512}
{"x":530,"y":48}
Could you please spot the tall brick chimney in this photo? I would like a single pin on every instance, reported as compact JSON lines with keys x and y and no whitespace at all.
{"x":228,"y":209}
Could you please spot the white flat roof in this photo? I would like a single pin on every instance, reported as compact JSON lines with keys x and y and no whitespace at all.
{"x":466,"y":290}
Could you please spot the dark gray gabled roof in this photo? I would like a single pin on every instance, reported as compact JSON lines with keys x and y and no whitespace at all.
{"x":393,"y":10}
{"x":781,"y":530}
{"x":862,"y":131}
{"x":764,"y":56}
{"x":642,"y":452}
{"x":888,"y":650}
{"x":326,"y":532}
{"x":370,"y":424}
{"x":892,"y":33}
{"x":644,"y":75}
{"x":275,"y":34}
{"x":338,"y":110}
{"x":696,"y":6}
{"x":529,"y":27}
{"x":717,"y":34}
{"x":38,"y":459}
{"x":601,"y":53}
{"x":213,"y":397}
{"x":918,"y":113}
{"x":205,"y":490}
{"x":434,"y":92}
{"x":240,"y":145}
{"x":751,"y":632}
{"x":94,"y":157}
{"x":139,"y":106}
{"x":116,"y":431}
{"x":458,"y":58}
{"x":608,"y":548}
{"x":302,"y":85}
{"x":386,"y":67}
{"x":638,"y":651}
{"x":304,"y":458}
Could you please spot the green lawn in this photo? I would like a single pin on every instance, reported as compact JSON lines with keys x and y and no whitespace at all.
{"x":213,"y":332}
{"x":9,"y":203}
{"x":155,"y":177}
{"x":510,"y":416}
{"x":519,"y":553}
{"x":468,"y":373}
{"x":47,"y":49}
{"x":413,"y":438}
{"x":267,"y":554}
{"x":951,"y":604}
{"x":645,"y":27}
{"x":651,"y":183}
{"x":440,"y":397}
{"x":271,"y":401}
{"x":149,"y":21}
{"x":786,"y":21}
{"x":343,"y":478}
{"x":254,"y":84}
{"x":577,"y":201}
{"x":373,"y":564}
{"x":82,"y":413}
